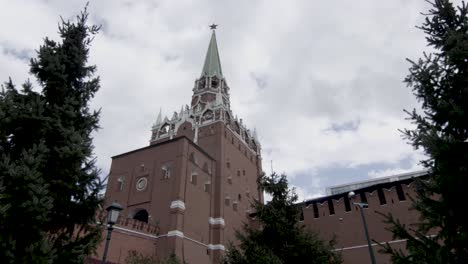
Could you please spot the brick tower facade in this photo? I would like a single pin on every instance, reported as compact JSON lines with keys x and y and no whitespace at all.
{"x":193,"y":184}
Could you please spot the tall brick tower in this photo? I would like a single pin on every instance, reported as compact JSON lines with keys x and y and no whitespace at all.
{"x":196,"y":178}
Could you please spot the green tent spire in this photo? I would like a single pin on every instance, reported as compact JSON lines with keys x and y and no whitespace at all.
{"x":212,"y":66}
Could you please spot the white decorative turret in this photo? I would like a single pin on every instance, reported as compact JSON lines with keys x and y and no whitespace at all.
{"x":158,"y":119}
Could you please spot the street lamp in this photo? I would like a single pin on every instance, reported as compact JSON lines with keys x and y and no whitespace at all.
{"x":113,"y":212}
{"x":351,"y":195}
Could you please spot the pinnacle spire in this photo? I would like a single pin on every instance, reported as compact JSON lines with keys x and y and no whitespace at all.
{"x":158,"y":119}
{"x":212,"y":66}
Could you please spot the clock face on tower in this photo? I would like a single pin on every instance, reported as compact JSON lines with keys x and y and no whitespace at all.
{"x":141,"y":184}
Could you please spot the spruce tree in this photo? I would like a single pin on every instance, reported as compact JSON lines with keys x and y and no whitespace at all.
{"x":49,"y":184}
{"x":279,"y":237}
{"x":440,"y":82}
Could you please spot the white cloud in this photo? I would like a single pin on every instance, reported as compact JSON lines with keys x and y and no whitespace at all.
{"x":413,"y":166}
{"x":319,"y":64}
{"x":303,"y":194}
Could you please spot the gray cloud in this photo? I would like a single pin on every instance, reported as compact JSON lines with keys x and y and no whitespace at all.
{"x":352,"y":125}
{"x":321,"y":81}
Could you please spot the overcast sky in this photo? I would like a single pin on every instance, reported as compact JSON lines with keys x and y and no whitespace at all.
{"x":321,"y":81}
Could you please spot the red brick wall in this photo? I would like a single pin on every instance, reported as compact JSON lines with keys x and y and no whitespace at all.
{"x":348,"y":228}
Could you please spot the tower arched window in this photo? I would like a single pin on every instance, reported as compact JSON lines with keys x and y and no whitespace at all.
{"x":214,"y":82}
{"x":164,"y":129}
{"x":166,"y":171}
{"x":120,"y":183}
{"x":141,"y":215}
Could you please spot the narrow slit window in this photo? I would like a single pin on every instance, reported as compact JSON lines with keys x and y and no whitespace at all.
{"x":400,"y":193}
{"x":120,"y":183}
{"x":381,"y":195}
{"x":301,"y":216}
{"x":207,"y":186}
{"x":193,"y":178}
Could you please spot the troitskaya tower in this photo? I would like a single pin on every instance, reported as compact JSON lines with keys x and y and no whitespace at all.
{"x":197,"y":178}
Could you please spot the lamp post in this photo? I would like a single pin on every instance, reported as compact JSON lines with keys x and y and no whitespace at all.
{"x":351,"y":195}
{"x":113,"y":212}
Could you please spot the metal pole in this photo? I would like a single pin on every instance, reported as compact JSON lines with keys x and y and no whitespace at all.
{"x":371,"y":251}
{"x":109,"y":232}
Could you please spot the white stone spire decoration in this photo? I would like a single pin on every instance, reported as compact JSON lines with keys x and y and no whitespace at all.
{"x":255,"y":134}
{"x":158,"y":120}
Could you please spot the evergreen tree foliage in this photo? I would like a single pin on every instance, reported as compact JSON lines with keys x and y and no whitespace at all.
{"x":49,"y":184}
{"x":279,"y":237}
{"x":440,"y":82}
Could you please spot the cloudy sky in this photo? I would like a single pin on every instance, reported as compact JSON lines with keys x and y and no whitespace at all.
{"x":321,"y":81}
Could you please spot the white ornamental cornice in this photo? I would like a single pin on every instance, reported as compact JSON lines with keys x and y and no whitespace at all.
{"x":191,"y":115}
